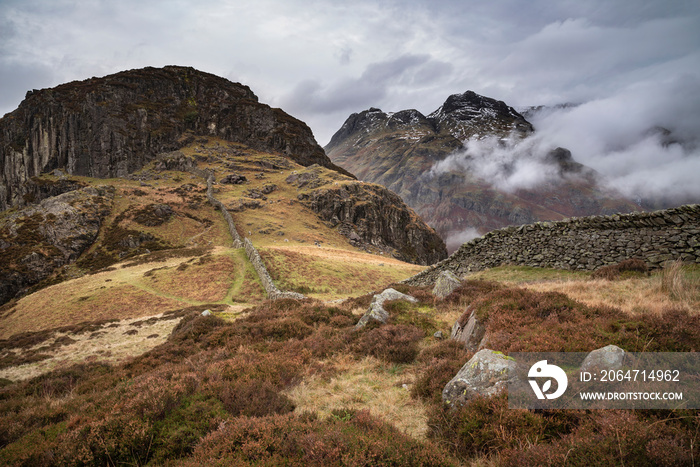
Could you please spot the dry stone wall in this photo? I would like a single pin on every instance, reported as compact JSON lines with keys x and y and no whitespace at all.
{"x":271,"y":289}
{"x":220,"y":206}
{"x":584,"y":243}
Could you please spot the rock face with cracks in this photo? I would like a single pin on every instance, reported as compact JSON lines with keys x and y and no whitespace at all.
{"x":38,"y":239}
{"x":371,"y":214}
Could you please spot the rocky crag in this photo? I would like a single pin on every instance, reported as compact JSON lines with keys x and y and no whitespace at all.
{"x":38,"y":239}
{"x":581,"y":243}
{"x":113,"y":126}
{"x":371,"y":214}
{"x":398,"y":150}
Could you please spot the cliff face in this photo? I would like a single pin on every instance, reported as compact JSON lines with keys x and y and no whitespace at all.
{"x":112,"y":126}
{"x":371,"y":214}
{"x":36,"y":240}
{"x":398,"y":150}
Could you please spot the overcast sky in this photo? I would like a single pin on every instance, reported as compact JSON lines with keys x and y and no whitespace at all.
{"x":633,"y":63}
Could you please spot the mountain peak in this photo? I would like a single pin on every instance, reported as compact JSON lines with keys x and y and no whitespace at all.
{"x":111,"y":126}
{"x":463,"y":115}
{"x":400,"y":150}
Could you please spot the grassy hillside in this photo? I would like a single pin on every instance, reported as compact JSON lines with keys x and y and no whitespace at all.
{"x":163,"y":248}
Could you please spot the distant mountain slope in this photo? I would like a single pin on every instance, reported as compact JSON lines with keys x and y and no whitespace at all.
{"x":412,"y":155}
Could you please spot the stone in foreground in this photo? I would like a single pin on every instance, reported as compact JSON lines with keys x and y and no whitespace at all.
{"x":445,"y":284}
{"x":485,"y":374}
{"x":376,"y":309}
{"x":609,"y":357}
{"x":472,"y":334}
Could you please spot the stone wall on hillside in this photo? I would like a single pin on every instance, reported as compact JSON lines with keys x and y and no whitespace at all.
{"x":270,"y":288}
{"x":273,"y":293}
{"x":220,"y":206}
{"x":584,"y":243}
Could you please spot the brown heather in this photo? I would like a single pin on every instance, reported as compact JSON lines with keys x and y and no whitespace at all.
{"x":291,"y":381}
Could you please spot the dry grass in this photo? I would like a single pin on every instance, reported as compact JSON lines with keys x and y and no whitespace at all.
{"x":113,"y":343}
{"x":52,"y":308}
{"x":205,"y":279}
{"x":138,"y":290}
{"x":673,"y":287}
{"x":364,"y":384}
{"x":331,"y":273}
{"x":681,"y":283}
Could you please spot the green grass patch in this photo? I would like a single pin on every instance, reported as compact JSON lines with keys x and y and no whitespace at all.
{"x":524,"y":274}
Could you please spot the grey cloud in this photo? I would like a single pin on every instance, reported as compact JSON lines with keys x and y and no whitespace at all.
{"x":369,"y":89}
{"x":344,"y":55}
{"x":17,"y":79}
{"x":623,"y":137}
{"x":320,"y":61}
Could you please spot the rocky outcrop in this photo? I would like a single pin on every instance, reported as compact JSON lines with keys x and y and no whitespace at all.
{"x":400,"y":150}
{"x":371,"y":214}
{"x":485,"y":374}
{"x":464,"y":115}
{"x":112,"y":126}
{"x":581,"y":243}
{"x":38,"y":239}
{"x":175,"y":160}
{"x":376,"y":311}
{"x":471,"y":333}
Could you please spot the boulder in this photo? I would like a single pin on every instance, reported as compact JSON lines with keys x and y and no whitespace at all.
{"x":471,"y":333}
{"x":485,"y":374}
{"x":234,"y":179}
{"x":609,"y":357}
{"x":445,"y":284}
{"x":376,"y":309}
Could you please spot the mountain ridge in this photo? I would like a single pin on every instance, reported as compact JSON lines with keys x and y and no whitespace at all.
{"x":140,"y":135}
{"x":433,"y":163}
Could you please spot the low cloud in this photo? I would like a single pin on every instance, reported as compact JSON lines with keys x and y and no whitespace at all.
{"x":508,"y":164}
{"x":644,"y":140}
{"x":456,"y":239}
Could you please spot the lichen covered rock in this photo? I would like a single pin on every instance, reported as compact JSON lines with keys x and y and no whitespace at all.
{"x":447,"y":282}
{"x":485,"y":374}
{"x":376,"y":309}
